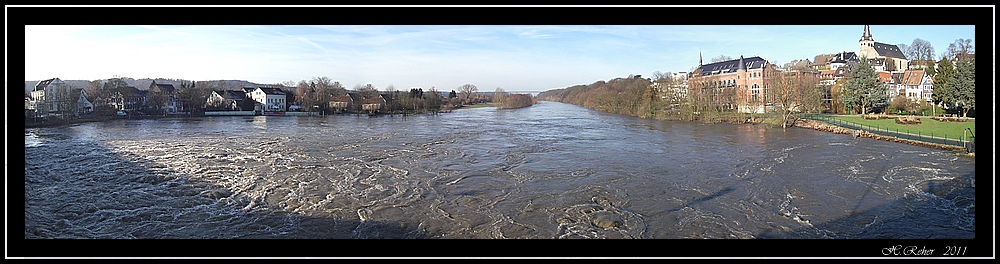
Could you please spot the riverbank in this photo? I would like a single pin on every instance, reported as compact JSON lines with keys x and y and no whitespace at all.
{"x":88,"y":119}
{"x":820,"y":126}
{"x":815,"y":125}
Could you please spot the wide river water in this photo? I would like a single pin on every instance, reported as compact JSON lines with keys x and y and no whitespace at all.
{"x":548,"y":171}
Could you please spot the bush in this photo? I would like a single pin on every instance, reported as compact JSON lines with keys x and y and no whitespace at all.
{"x":908,"y":120}
{"x":876,"y":116}
{"x":950,"y":119}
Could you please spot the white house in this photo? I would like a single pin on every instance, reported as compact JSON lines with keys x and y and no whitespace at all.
{"x":52,"y":97}
{"x":271,"y":99}
{"x":918,"y":85}
{"x":226,"y":100}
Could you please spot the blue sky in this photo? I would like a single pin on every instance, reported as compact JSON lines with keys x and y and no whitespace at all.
{"x":516,"y":58}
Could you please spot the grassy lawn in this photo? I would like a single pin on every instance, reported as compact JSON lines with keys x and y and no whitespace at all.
{"x":927,"y":126}
{"x":476,"y":106}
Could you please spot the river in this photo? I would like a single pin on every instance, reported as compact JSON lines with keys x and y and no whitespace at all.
{"x":550,"y":171}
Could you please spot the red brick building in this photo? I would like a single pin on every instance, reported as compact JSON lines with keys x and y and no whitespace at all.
{"x":735,"y":84}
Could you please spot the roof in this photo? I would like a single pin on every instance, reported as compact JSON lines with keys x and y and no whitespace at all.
{"x":822,"y":58}
{"x":231,"y":94}
{"x":888,"y":50}
{"x":913,"y":77}
{"x":131,"y":91}
{"x":342,"y":98}
{"x":373,"y":100}
{"x":166,"y":88}
{"x":867,"y":35}
{"x":897,"y":77}
{"x":42,"y":84}
{"x":272,"y":91}
{"x":731,"y":66}
{"x":845,"y":57}
{"x":354,"y":96}
{"x":884,"y":77}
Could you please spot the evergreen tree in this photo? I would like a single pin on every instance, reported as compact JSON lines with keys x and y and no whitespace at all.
{"x":944,"y":72}
{"x":863,"y":89}
{"x":963,"y":87}
{"x":929,"y":69}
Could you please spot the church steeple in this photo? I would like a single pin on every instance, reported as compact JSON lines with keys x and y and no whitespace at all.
{"x":867,"y":35}
{"x":699,"y":59}
{"x":867,"y":44}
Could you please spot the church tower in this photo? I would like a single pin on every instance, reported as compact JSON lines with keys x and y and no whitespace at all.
{"x":867,"y":45}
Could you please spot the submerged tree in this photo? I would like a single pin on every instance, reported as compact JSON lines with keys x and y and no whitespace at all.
{"x":499,"y":96}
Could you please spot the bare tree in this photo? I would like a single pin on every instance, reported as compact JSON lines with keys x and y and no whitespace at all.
{"x":337,"y":89}
{"x":366,"y":91}
{"x":790,"y":91}
{"x":304,"y":95}
{"x":468,"y":90}
{"x":960,"y":47}
{"x":499,"y":96}
{"x":391,"y":97}
{"x":156,"y":99}
{"x":721,"y":58}
{"x":93,"y":90}
{"x":921,"y":50}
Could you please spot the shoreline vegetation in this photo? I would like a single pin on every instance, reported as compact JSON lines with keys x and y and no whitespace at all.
{"x":637,"y":97}
{"x":513,"y":101}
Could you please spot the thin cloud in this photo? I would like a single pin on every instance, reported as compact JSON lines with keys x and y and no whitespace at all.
{"x":303,"y":39}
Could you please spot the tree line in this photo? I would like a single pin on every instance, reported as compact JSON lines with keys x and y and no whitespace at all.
{"x":632,"y":96}
{"x":670,"y":98}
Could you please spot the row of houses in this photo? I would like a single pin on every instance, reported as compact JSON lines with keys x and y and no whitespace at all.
{"x":55,"y":98}
{"x":271,"y":99}
{"x":262,"y":99}
{"x":746,"y":78}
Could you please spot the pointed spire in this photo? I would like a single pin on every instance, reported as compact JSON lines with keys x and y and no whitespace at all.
{"x":742,"y":65}
{"x":867,"y":35}
{"x":699,"y":58}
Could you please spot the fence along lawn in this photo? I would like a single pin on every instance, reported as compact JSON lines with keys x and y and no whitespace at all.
{"x":927,"y":126}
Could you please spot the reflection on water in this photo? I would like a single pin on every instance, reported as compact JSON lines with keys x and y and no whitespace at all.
{"x":548,"y":171}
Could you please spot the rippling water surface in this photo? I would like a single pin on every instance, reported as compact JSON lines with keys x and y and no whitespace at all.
{"x":548,"y":171}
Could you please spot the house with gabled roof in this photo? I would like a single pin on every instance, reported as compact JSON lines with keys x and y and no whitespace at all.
{"x":270,"y":99}
{"x":172,"y":105}
{"x":374,"y":104}
{"x":918,"y":85}
{"x":228,"y":100}
{"x":340,"y":103}
{"x":53,"y":97}
{"x":843,"y":59}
